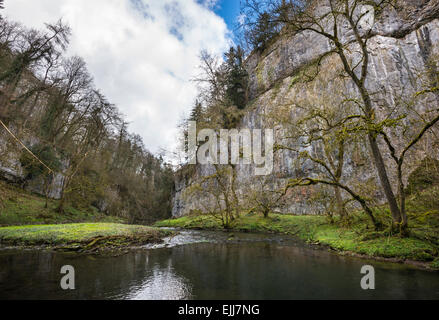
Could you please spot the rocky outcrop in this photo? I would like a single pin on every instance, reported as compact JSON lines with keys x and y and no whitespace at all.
{"x":402,"y":41}
{"x":293,"y":52}
{"x":12,"y":170}
{"x":407,"y":16}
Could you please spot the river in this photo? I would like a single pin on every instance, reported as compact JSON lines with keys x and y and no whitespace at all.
{"x":210,"y":265}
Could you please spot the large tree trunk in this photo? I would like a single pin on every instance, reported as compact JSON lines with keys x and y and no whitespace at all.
{"x":404,"y":219}
{"x":379,"y":162}
{"x":341,"y":210}
{"x":370,"y":116}
{"x":60,"y":208}
{"x":338,"y":174}
{"x":385,"y":183}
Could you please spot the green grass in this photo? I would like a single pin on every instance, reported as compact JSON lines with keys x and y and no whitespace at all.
{"x":24,"y":221}
{"x":358,"y":238}
{"x":18,"y":207}
{"x":82,"y":236}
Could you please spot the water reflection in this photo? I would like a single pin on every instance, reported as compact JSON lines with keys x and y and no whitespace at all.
{"x":248,"y":268}
{"x":162,"y":284}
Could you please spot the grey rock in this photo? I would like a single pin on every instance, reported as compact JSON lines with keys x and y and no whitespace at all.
{"x":402,"y":40}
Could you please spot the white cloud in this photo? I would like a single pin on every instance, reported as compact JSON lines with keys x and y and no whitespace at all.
{"x":142,"y":53}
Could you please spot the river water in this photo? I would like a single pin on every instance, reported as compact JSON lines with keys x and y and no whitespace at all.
{"x":210,"y":265}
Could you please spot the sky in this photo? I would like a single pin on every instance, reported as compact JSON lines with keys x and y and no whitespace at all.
{"x":229,"y":10}
{"x":141,"y":53}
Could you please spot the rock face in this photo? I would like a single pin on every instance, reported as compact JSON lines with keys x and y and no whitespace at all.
{"x":12,"y":170}
{"x":402,"y":43}
{"x":405,"y":31}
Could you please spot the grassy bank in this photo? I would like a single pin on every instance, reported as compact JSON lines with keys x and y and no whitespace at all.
{"x":82,"y":237}
{"x":26,"y":222}
{"x":18,"y":207}
{"x":357,"y":239}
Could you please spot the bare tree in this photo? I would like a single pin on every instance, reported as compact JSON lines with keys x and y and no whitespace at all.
{"x":345,"y":25}
{"x":322,"y":135}
{"x":263,"y":195}
{"x":218,"y":192}
{"x":28,"y":48}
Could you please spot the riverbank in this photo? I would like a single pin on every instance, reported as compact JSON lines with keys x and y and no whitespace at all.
{"x":356,"y":239}
{"x":94,"y":238}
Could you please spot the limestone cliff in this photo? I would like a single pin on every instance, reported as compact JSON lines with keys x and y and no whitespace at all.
{"x":402,"y":42}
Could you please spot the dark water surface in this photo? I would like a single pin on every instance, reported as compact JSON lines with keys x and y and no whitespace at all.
{"x":204,"y":265}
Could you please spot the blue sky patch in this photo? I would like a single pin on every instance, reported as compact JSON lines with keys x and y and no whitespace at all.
{"x":229,"y":11}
